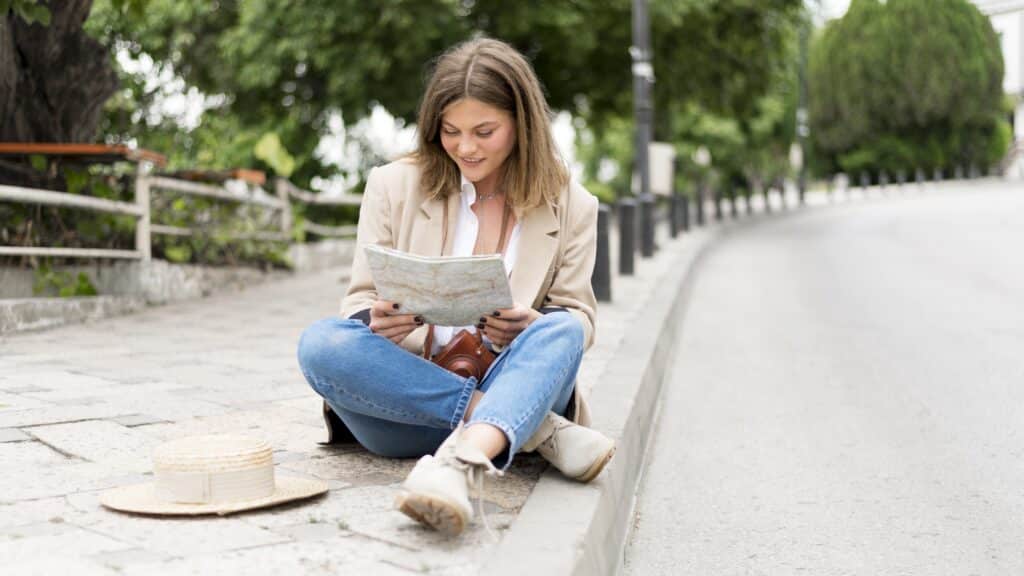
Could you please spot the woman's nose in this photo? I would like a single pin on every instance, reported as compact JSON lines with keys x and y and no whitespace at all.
{"x":466,"y":145}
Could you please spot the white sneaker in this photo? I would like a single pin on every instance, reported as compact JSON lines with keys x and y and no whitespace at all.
{"x":576,"y":451}
{"x":436,"y":492}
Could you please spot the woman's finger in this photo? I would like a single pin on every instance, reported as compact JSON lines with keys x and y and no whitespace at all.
{"x":397,"y":333}
{"x":515,"y":326}
{"x":387,"y":322}
{"x":385,"y":308}
{"x":514,"y":314}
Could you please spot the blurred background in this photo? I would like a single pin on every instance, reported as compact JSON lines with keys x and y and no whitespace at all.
{"x":746,"y":95}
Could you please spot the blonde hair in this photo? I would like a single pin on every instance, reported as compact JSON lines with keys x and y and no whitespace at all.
{"x":496,"y":74}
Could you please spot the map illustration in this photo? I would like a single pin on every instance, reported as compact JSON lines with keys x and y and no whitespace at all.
{"x":446,"y":290}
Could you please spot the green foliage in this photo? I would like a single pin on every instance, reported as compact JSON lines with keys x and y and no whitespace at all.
{"x":31,"y":11}
{"x":270,"y":150}
{"x":907,"y":83}
{"x":725,"y":80}
{"x":62,"y":283}
{"x":349,"y":55}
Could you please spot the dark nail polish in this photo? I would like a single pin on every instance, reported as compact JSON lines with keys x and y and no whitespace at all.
{"x":483,"y":320}
{"x":395,"y":305}
{"x":480,"y":326}
{"x":418,"y":319}
{"x":496,"y":314}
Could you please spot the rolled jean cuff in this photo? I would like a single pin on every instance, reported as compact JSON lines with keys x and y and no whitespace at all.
{"x":463,"y":403}
{"x":509,"y":432}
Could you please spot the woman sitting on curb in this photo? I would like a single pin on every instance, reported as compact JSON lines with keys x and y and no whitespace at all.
{"x":485,"y":156}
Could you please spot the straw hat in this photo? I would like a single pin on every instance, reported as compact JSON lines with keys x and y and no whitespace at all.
{"x":213,"y":474}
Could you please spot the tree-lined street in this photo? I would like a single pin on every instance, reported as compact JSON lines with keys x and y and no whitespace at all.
{"x":846,"y":398}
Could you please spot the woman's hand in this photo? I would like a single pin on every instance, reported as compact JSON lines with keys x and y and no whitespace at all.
{"x":386,"y":321}
{"x":502,"y":326}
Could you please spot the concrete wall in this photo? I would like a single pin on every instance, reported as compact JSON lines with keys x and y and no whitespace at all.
{"x":128,"y":286}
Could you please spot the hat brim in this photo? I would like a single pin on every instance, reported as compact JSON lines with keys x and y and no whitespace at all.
{"x":141,"y":499}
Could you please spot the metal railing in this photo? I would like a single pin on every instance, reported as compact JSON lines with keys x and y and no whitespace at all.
{"x":146,"y":185}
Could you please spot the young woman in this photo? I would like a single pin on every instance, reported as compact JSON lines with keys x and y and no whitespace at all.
{"x":485,"y":178}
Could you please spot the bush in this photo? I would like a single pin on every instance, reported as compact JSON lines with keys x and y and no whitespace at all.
{"x":904,"y":84}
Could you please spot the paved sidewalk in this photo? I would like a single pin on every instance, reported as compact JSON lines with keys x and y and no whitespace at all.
{"x":82,"y":407}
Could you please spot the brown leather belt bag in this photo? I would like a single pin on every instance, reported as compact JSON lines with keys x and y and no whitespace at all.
{"x":466,"y":354}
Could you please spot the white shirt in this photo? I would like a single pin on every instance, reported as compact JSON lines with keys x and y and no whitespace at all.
{"x":466,"y":228}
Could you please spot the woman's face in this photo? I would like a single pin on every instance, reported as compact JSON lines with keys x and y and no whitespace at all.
{"x":478,"y":137}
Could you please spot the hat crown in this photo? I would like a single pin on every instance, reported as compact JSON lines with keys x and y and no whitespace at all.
{"x":212,"y":469}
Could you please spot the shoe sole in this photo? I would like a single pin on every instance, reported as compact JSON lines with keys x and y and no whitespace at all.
{"x":432,"y":511}
{"x":597,"y":466}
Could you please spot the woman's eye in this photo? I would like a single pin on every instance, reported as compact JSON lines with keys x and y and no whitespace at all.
{"x":485,"y":134}
{"x":450,"y":132}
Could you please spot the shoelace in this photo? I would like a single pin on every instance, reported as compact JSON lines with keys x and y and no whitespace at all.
{"x":550,"y":443}
{"x":476,"y":475}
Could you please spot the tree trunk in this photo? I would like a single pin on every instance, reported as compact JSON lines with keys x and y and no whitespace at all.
{"x":54,"y":80}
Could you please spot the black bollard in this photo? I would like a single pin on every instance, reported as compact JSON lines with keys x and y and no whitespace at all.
{"x":601,"y":279}
{"x":701,"y":195}
{"x":684,"y":213}
{"x":627,"y":235}
{"x":767,"y":191}
{"x":732,"y":202}
{"x":673,"y":215}
{"x":717,"y":196}
{"x":647,"y":225}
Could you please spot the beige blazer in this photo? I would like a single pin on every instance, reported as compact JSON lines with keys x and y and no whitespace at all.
{"x":557,"y":248}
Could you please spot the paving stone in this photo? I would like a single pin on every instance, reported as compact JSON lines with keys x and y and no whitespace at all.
{"x":346,"y":555}
{"x":59,"y":380}
{"x":118,"y":560}
{"x":56,"y":544}
{"x":13,"y":435}
{"x":26,"y":454}
{"x":280,"y":433}
{"x":58,"y":564}
{"x":15,"y":388}
{"x":357,"y":467}
{"x":57,"y":414}
{"x":57,"y":509}
{"x":137,"y":420}
{"x":43,"y":481}
{"x":10,"y":402}
{"x":184,"y":537}
{"x":102,"y":441}
{"x":167,"y":406}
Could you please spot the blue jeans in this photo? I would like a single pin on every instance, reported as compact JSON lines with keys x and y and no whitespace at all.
{"x":399,"y":405}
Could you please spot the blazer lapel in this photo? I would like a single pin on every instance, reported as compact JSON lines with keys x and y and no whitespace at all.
{"x":428,"y":243}
{"x":538,"y":243}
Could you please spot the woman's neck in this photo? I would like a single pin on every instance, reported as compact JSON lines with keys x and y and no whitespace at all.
{"x":487,"y":186}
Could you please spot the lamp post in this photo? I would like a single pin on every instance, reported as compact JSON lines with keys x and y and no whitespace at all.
{"x":802,"y":128}
{"x":702,"y":158}
{"x":643,"y":77}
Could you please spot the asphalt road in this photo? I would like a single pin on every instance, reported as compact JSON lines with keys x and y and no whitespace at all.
{"x":848,"y":396}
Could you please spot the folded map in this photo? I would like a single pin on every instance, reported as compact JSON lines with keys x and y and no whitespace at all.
{"x":446,"y":290}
